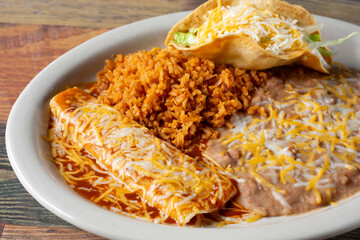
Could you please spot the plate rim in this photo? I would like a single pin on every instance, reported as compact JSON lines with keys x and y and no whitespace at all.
{"x":149,"y":228}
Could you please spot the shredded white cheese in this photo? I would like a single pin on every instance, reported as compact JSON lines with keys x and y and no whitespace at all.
{"x":276,"y":34}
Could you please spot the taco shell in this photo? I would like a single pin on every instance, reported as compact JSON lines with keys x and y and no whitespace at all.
{"x":242,"y":52}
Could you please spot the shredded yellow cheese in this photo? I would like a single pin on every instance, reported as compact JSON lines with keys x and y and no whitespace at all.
{"x":165,"y":178}
{"x":319,"y":134}
{"x":274,"y":33}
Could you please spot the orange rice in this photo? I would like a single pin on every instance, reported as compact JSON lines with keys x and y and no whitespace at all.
{"x":180,"y":98}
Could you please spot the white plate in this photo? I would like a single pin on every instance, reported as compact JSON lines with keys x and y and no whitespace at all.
{"x":29,"y":118}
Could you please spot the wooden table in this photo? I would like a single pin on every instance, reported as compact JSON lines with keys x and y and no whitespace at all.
{"x":33,"y":33}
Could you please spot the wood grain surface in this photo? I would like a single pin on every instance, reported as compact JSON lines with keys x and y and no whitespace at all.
{"x":20,"y":232}
{"x":26,"y":49}
{"x":33,"y":33}
{"x":114,"y":13}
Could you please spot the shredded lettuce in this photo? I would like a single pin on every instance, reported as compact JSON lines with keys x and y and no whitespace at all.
{"x":313,"y":28}
{"x":186,"y":39}
{"x":315,"y":45}
{"x":315,"y":37}
{"x":332,"y":42}
{"x":323,"y":51}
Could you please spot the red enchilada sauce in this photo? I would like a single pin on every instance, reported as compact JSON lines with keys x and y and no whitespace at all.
{"x":259,"y":190}
{"x":81,"y":171}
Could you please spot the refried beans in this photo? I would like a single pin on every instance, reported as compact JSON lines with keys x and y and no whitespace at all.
{"x":305,"y":153}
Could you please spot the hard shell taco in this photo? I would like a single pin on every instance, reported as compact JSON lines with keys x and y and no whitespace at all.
{"x":252,"y":34}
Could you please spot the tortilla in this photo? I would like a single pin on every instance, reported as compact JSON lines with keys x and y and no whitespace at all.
{"x":178,"y":185}
{"x":243,"y":52}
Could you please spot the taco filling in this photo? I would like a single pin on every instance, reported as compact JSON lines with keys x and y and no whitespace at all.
{"x":254,"y":35}
{"x":274,"y":33}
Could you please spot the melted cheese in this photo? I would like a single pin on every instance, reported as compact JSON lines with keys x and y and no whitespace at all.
{"x":320,"y":135}
{"x":161,"y":175}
